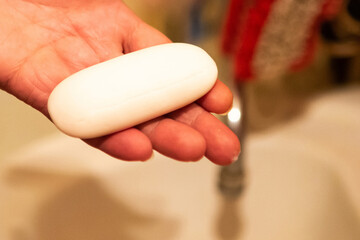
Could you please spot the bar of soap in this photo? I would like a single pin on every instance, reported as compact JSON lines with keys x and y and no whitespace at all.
{"x":131,"y":89}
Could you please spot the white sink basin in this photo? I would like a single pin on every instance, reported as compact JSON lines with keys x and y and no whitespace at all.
{"x":303,"y":183}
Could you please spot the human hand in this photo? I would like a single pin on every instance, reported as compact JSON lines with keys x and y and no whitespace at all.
{"x":43,"y":42}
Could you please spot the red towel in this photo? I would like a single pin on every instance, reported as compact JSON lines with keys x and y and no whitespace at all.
{"x":270,"y":37}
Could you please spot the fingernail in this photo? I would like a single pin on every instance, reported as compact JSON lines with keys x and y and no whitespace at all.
{"x":236,"y":157}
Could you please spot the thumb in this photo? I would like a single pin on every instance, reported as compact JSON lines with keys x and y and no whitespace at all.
{"x":144,"y":36}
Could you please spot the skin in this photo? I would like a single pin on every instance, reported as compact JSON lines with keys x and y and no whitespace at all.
{"x":43,"y":42}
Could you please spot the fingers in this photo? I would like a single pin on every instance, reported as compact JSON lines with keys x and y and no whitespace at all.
{"x":192,"y":131}
{"x":222,"y":145}
{"x":218,"y":99}
{"x":174,"y":139}
{"x":130,"y":144}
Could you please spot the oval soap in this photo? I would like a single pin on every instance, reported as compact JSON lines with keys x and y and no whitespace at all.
{"x":131,"y":89}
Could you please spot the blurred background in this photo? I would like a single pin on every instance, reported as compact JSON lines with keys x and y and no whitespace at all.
{"x":294,"y":68}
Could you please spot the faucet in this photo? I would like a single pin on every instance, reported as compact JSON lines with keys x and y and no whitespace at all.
{"x":231,"y":180}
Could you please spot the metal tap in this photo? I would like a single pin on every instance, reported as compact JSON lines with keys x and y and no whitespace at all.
{"x":231,"y":178}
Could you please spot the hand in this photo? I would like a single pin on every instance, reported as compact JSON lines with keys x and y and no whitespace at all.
{"x":43,"y":42}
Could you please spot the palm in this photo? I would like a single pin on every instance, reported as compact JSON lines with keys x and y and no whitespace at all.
{"x":57,"y":43}
{"x":43,"y":43}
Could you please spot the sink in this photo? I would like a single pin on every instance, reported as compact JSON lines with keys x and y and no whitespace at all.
{"x":302,"y":183}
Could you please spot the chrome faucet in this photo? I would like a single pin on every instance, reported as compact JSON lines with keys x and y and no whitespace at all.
{"x":231,"y":181}
{"x":232,"y":178}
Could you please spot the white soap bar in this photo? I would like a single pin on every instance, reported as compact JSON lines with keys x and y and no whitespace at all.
{"x":131,"y":89}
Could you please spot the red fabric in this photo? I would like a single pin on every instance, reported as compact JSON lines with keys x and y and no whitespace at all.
{"x":328,"y":11}
{"x":244,"y":25}
{"x":257,"y":17}
{"x":231,"y":28}
{"x":331,"y":8}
